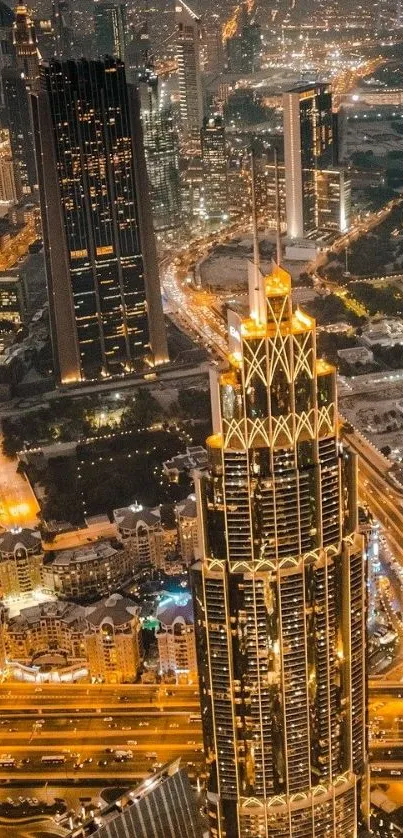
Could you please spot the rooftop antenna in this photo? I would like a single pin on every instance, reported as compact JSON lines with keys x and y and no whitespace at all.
{"x":278,"y":214}
{"x":257,"y":297}
{"x":255,"y":233}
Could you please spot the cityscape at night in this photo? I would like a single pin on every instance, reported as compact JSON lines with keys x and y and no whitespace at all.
{"x":201,"y":419}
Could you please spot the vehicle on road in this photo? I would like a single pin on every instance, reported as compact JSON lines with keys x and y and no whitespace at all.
{"x":7,"y":761}
{"x":122,"y":756}
{"x":53,"y":759}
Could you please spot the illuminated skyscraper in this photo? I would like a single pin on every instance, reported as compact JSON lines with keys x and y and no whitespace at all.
{"x":309,"y":143}
{"x":279,"y":595}
{"x":188,"y":28}
{"x":26,"y":48}
{"x":110,"y":24}
{"x":62,"y":21}
{"x":214,"y":46}
{"x":104,"y":293}
{"x":6,"y":43}
{"x":161,"y":151}
{"x":215,"y":166}
{"x":21,"y":133}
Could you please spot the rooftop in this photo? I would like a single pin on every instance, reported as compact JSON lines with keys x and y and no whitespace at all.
{"x":19,"y":537}
{"x":130,"y":517}
{"x":100,"y":551}
{"x":116,"y":609}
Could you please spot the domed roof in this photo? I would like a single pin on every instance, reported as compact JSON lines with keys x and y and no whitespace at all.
{"x":116,"y":609}
{"x":24,"y":537}
{"x":7,"y":16}
{"x":172,"y":609}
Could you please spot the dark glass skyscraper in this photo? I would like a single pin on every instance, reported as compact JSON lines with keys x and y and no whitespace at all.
{"x":310,"y":143}
{"x":6,"y":43}
{"x":110,"y":24}
{"x":279,"y":595}
{"x":215,"y":164}
{"x":104,"y":293}
{"x":162,"y":806}
{"x":161,"y":150}
{"x":62,"y":21}
{"x":20,"y":127}
{"x":26,"y":48}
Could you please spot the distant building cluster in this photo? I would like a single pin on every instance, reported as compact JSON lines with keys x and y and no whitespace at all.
{"x":73,"y":617}
{"x":104,"y":638}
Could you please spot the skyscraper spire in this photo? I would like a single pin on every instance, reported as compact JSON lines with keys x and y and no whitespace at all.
{"x":257,"y":304}
{"x":278,"y":215}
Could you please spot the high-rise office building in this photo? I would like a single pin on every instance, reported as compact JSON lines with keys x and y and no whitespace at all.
{"x":20,"y":128}
{"x":110,"y":28}
{"x":162,"y":806}
{"x":244,"y":47}
{"x":280,"y":592}
{"x":104,"y":292}
{"x":137,"y":54}
{"x":62,"y":23}
{"x":310,"y":143}
{"x":214,"y":46}
{"x":215,"y":167}
{"x":161,"y":149}
{"x":331,"y":205}
{"x":8,"y":190}
{"x":188,"y":34}
{"x":26,"y":48}
{"x":333,"y":199}
{"x":6,"y":43}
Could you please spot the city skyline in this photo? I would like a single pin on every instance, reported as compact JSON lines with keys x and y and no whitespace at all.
{"x":201,"y":419}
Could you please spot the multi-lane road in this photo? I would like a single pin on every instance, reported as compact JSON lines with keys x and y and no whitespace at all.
{"x":86,"y":725}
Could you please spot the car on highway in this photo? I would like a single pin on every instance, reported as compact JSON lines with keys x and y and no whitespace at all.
{"x":132,"y":741}
{"x":123,"y":755}
{"x":102,"y":762}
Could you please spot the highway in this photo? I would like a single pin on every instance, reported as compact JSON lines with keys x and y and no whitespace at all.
{"x":87,"y":724}
{"x":375,"y":487}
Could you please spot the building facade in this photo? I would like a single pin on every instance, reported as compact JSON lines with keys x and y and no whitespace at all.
{"x":26,"y":48}
{"x":176,"y":640}
{"x":333,"y":199}
{"x":46,"y":629}
{"x":12,"y":304}
{"x":20,"y":128}
{"x":188,"y":35}
{"x":8,"y":191}
{"x":7,"y":58}
{"x":166,"y":807}
{"x":280,"y":592}
{"x":143,"y":535}
{"x":89,"y":571}
{"x":21,"y":562}
{"x":105,"y":300}
{"x":188,"y":530}
{"x":113,"y":640}
{"x":215,"y":168}
{"x":110,"y":29}
{"x":310,"y":143}
{"x":105,"y":638}
{"x":161,"y":149}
